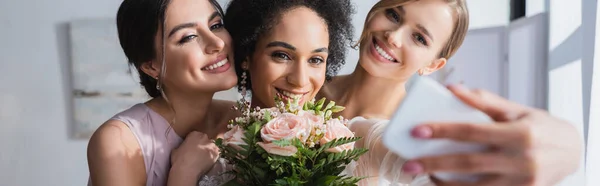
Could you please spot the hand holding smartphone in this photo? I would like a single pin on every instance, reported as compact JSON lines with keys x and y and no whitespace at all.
{"x":429,"y":101}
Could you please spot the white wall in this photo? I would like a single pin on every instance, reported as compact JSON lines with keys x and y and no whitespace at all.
{"x":534,"y":7}
{"x":35,"y":143}
{"x":566,"y":60}
{"x":34,"y":137}
{"x":593,"y":142}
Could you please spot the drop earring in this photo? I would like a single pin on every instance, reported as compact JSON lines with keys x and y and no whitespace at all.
{"x":157,"y":83}
{"x":243,"y":84}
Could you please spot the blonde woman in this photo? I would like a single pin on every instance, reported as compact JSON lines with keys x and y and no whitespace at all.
{"x":404,"y":37}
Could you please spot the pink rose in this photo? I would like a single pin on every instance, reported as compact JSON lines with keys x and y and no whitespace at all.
{"x":277,"y":150}
{"x":234,"y":137}
{"x":286,"y":126}
{"x":315,"y":120}
{"x":334,"y":129}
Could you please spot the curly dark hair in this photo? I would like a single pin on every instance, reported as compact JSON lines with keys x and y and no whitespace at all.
{"x":248,"y":20}
{"x":137,"y":24}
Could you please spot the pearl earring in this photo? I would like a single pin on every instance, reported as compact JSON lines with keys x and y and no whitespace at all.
{"x":157,"y":83}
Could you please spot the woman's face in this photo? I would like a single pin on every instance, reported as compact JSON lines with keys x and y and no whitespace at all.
{"x":290,"y":61}
{"x":407,"y":39}
{"x":197,"y":50}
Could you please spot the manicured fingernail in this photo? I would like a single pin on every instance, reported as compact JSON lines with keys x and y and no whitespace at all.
{"x":412,"y":167}
{"x":422,"y":132}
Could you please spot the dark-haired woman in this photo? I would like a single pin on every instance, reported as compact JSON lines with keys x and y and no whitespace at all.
{"x":183,"y":55}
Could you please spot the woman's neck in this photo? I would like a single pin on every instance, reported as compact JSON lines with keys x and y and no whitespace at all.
{"x":369,"y":96}
{"x":185,"y":113}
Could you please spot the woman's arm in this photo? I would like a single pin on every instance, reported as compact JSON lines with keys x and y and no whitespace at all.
{"x":115,"y":157}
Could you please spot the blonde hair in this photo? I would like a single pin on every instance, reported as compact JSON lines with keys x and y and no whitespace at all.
{"x":461,"y":22}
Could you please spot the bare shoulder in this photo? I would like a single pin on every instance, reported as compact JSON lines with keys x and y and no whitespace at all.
{"x":113,"y":137}
{"x":114,"y":156}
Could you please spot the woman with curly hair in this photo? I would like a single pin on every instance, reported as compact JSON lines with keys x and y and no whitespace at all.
{"x":285,"y":48}
{"x":288,"y":48}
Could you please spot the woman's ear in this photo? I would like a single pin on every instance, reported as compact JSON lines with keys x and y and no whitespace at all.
{"x":433,"y":66}
{"x":151,"y":69}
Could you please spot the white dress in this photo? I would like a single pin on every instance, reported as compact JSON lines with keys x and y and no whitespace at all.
{"x":216,"y":176}
{"x":382,"y":167}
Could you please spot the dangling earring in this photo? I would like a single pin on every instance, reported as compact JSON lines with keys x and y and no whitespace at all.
{"x":157,"y":83}
{"x":420,"y":72}
{"x":243,"y":84}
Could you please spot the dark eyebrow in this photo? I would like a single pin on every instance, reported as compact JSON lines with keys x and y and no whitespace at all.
{"x":288,"y":46}
{"x":182,"y":26}
{"x":424,"y":30}
{"x":190,"y":25}
{"x":281,"y":44}
{"x":214,"y":15}
{"x":324,"y":49}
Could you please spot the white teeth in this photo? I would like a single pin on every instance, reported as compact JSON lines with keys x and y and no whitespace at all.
{"x":383,"y":53}
{"x":291,"y":95}
{"x":216,"y":65}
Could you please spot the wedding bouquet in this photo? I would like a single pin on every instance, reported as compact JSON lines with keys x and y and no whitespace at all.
{"x":290,"y":145}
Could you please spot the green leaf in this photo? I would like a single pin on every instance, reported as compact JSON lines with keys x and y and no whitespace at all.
{"x":319,"y":113}
{"x":254,"y":128}
{"x":311,"y":105}
{"x":336,"y":109}
{"x":338,"y":142}
{"x":328,"y":114}
{"x":329,"y":106}
{"x":219,"y":141}
{"x":267,"y":116}
{"x":282,"y":142}
{"x":326,"y":180}
{"x":319,"y":104}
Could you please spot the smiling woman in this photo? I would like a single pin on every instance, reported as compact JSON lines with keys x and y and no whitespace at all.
{"x":288,"y":49}
{"x":187,"y":38}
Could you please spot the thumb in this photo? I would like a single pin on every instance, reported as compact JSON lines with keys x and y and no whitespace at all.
{"x":498,"y":108}
{"x":220,"y":135}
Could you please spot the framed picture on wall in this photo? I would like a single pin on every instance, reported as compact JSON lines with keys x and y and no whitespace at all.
{"x":102,"y":82}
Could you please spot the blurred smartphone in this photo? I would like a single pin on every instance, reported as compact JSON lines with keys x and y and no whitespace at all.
{"x":426,"y":101}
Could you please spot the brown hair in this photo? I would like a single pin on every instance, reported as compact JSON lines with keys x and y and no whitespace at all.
{"x":461,"y":23}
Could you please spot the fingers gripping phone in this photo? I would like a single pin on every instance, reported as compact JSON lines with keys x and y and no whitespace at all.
{"x":429,"y":101}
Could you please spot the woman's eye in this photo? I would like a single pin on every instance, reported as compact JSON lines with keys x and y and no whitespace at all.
{"x":280,"y":56}
{"x":217,"y":26}
{"x":187,"y":39}
{"x":419,"y":38}
{"x":391,"y":14}
{"x":316,"y":61}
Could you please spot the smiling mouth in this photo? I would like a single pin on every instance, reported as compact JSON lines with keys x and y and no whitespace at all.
{"x":289,"y":96}
{"x":382,"y":52}
{"x":216,"y":65}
